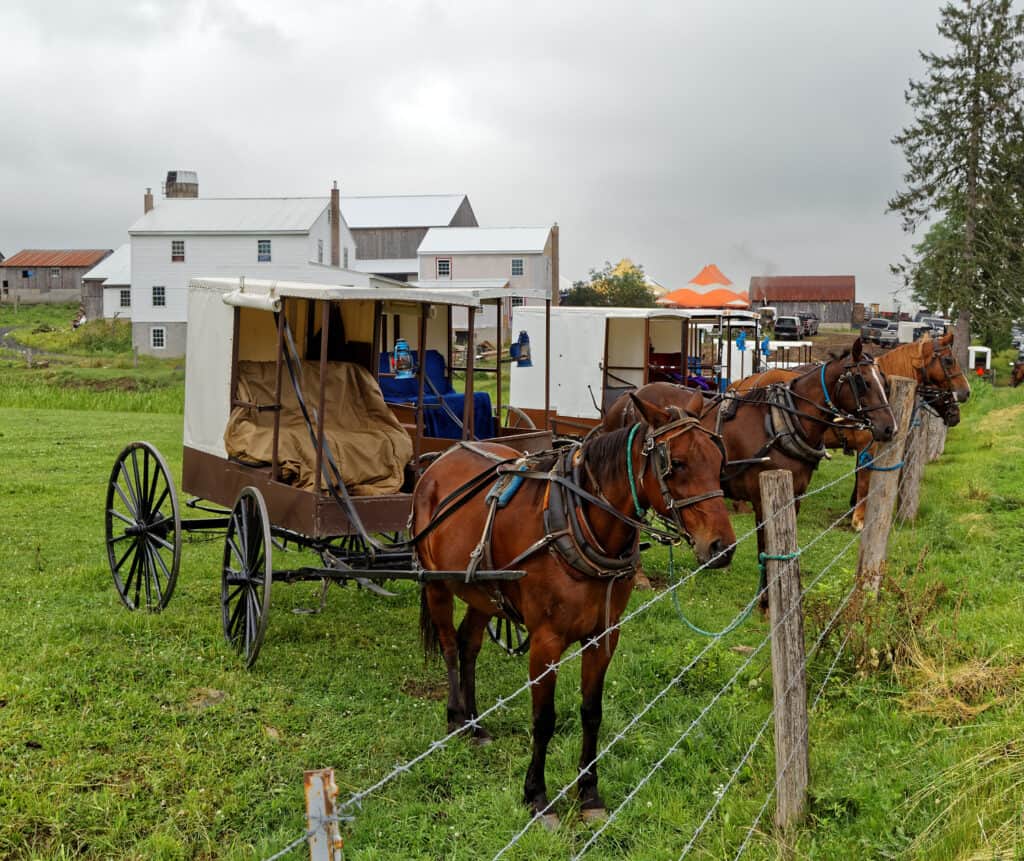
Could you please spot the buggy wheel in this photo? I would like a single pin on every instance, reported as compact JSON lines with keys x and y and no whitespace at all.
{"x":143,"y":528}
{"x":246,"y":575}
{"x":518,"y":419}
{"x":509,"y":635}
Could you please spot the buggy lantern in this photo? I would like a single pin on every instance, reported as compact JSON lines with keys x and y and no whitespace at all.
{"x":520,"y":351}
{"x":404,"y":365}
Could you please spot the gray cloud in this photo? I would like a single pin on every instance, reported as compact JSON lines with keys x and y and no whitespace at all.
{"x":676,"y":133}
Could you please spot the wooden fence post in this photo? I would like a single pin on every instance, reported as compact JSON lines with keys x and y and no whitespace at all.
{"x":874,"y":540}
{"x":936,"y":437}
{"x":789,"y":679}
{"x":914,"y":454}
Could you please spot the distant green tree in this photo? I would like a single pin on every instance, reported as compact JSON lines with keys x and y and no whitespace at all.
{"x":965,"y":171}
{"x":620,"y":285}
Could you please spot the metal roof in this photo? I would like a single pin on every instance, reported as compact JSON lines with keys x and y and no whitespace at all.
{"x":385,"y":266}
{"x":803,"y":288}
{"x":261,"y":293}
{"x":33,"y":257}
{"x":231,"y":215}
{"x":482,"y":289}
{"x":401,"y":210}
{"x":115,"y":270}
{"x":485,"y":240}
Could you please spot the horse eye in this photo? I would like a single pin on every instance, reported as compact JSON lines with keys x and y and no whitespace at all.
{"x":678,"y":464}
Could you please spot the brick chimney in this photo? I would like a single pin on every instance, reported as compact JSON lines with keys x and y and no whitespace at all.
{"x":147,"y":201}
{"x":556,"y":282}
{"x":335,"y":220}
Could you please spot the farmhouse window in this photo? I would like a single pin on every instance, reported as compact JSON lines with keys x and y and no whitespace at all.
{"x":159,"y":297}
{"x":517,"y":301}
{"x":319,"y":251}
{"x":126,"y":298}
{"x":444,"y":267}
{"x":517,"y":265}
{"x":177,"y":251}
{"x":26,"y":273}
{"x":158,"y":337}
{"x":262,"y":250}
{"x":55,"y":273}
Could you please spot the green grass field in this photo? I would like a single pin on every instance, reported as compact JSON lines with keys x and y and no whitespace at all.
{"x":126,"y":735}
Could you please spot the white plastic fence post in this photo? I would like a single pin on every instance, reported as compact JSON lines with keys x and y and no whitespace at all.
{"x":325,"y":844}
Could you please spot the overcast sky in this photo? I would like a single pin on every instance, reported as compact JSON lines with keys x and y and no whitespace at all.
{"x":751,"y":134}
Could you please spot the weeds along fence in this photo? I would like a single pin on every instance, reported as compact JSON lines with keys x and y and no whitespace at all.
{"x":895,"y":475}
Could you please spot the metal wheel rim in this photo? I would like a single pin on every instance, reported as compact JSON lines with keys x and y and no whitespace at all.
{"x":246,"y":575}
{"x":522,"y":419}
{"x":142,"y":527}
{"x":511,"y":638}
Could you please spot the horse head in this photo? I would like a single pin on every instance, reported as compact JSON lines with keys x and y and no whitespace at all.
{"x":679,"y":475}
{"x":854,"y":385}
{"x":943,"y":370}
{"x":1017,"y":374}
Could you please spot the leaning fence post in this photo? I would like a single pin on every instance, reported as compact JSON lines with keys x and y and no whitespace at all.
{"x":914,"y":454}
{"x":885,"y":478}
{"x":325,"y":843}
{"x":789,"y":680}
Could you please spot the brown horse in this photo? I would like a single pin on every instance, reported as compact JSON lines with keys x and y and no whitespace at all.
{"x":1017,"y":374}
{"x":798,"y":407}
{"x":577,"y":542}
{"x":941,"y":385}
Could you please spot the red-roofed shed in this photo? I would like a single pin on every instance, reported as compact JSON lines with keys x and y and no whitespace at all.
{"x":50,"y":275}
{"x":829,"y":297}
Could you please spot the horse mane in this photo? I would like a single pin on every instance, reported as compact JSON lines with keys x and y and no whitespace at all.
{"x":605,"y":452}
{"x":899,"y":360}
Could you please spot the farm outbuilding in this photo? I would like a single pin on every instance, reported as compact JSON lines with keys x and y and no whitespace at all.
{"x":829,"y":297}
{"x":47,"y":275}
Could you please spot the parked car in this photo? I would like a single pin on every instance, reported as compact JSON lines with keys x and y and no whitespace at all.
{"x":788,"y":329}
{"x":938,"y":325}
{"x":809,"y":322}
{"x":880,"y":331}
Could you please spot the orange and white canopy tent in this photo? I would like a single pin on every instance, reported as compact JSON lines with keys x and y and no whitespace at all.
{"x":708,"y":289}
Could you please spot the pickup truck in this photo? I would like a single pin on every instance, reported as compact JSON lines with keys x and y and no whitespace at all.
{"x":880,"y":331}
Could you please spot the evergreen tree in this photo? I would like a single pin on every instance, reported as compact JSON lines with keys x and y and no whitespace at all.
{"x":965,"y":171}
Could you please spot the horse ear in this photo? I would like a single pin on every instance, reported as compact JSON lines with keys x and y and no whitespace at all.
{"x":652,"y":413}
{"x":696,"y":404}
{"x":857,"y":350}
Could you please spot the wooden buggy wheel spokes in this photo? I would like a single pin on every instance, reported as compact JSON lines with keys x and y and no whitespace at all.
{"x":518,"y":419}
{"x":143,"y":528}
{"x":509,"y":635}
{"x":246,"y":575}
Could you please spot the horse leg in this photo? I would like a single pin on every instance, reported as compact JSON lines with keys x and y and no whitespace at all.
{"x":545,"y":648}
{"x":441,"y":605}
{"x":470,"y":638}
{"x":595,"y":664}
{"x":860,"y":492}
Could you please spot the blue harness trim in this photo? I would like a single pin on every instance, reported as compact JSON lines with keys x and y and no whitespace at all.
{"x":505,"y":497}
{"x":865,"y":460}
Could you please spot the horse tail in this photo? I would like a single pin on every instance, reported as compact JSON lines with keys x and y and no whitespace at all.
{"x":428,"y":630}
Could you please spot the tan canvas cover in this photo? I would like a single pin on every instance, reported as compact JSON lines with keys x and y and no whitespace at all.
{"x":369,"y":445}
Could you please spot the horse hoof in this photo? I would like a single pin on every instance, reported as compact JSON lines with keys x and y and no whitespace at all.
{"x":594,"y":814}
{"x":550,"y":821}
{"x":482,"y":739}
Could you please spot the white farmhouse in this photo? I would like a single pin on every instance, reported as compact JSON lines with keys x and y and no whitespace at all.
{"x":524,"y":256}
{"x":185,"y":236}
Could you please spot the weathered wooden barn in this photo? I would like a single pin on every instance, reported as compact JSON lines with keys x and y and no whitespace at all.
{"x":829,"y":297}
{"x":47,"y":276}
{"x":388,"y":230}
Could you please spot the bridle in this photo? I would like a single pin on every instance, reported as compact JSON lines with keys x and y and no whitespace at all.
{"x":858,"y":388}
{"x":657,"y":456}
{"x":943,"y":354}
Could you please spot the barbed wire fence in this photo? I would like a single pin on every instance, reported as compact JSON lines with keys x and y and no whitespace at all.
{"x":321,"y":824}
